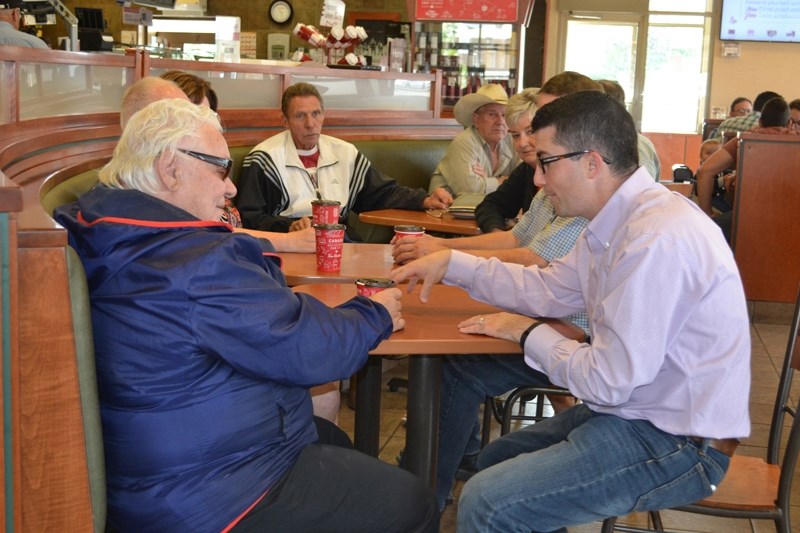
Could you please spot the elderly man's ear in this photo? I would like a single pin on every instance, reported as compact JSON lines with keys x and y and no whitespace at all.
{"x":167,"y":171}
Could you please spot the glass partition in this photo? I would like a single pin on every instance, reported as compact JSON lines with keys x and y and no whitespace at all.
{"x":50,"y":89}
{"x":239,"y":90}
{"x":371,"y":93}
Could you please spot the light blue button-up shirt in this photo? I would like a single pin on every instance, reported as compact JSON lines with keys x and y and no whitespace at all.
{"x":670,"y":330}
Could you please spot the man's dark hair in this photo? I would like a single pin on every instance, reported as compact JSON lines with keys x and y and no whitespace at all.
{"x":739,"y":100}
{"x":590,"y":120}
{"x":763,"y":98}
{"x":775,"y":113}
{"x":299,"y":89}
{"x":794,"y":104}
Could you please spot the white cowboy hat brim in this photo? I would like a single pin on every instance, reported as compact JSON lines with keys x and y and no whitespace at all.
{"x":467,"y":105}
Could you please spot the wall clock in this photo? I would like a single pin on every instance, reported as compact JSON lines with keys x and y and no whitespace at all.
{"x":280,"y":11}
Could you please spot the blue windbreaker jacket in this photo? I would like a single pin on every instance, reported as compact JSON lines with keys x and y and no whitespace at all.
{"x":204,"y":357}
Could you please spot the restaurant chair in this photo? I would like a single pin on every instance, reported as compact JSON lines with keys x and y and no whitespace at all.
{"x":87,"y":385}
{"x":753,"y":488}
{"x":501,"y":408}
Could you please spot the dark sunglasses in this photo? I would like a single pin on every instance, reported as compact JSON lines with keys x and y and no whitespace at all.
{"x":220,"y":162}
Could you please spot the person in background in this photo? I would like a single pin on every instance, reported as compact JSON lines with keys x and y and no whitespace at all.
{"x":794,"y":112}
{"x":664,"y":389}
{"x":481,"y":157}
{"x":513,"y":197}
{"x":204,"y":356}
{"x":707,"y":148}
{"x":747,"y":122}
{"x":740,"y":107}
{"x":10,"y":18}
{"x":647,"y":151}
{"x":773,"y":119}
{"x":196,"y":88}
{"x":285,"y":173}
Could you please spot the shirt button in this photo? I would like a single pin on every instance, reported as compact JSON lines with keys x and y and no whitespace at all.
{"x":606,"y":245}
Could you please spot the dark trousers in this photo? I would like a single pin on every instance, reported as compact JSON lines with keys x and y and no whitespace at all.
{"x":335,"y":489}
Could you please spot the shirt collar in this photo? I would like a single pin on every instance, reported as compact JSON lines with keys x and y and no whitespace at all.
{"x":618,"y":208}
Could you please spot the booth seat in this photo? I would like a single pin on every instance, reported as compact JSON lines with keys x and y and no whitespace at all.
{"x":409,"y":162}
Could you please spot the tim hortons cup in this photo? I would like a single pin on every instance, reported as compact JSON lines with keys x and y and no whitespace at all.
{"x":303,"y":31}
{"x":349,"y":59}
{"x":408,"y":231}
{"x":335,"y":37}
{"x":325,"y":212}
{"x":350,"y":37}
{"x":329,"y":241}
{"x":369,"y":286}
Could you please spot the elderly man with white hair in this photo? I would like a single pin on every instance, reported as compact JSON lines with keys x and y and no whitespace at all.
{"x":204,"y":356}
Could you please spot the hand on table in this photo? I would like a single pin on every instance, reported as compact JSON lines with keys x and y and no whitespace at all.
{"x":430,"y":269}
{"x":300,"y":224}
{"x":508,"y":326}
{"x":438,"y":199}
{"x":406,"y":249}
{"x":390,"y":299}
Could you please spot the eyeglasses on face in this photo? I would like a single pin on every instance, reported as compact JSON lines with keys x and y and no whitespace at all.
{"x":220,"y":162}
{"x":544,"y":161}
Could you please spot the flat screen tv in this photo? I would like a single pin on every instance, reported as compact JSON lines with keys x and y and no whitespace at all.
{"x":760,"y":20}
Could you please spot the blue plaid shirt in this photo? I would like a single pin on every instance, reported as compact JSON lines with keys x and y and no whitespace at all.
{"x":550,"y":236}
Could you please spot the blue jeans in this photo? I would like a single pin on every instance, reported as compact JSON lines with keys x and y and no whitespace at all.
{"x":580,"y":466}
{"x":466,"y":381}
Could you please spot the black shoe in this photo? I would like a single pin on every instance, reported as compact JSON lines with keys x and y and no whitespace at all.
{"x":468,"y":467}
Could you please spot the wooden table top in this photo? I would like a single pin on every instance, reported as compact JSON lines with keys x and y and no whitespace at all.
{"x":446,"y":224}
{"x":358,"y":261}
{"x":432,"y":328}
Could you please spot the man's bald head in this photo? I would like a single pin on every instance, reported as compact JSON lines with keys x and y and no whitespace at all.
{"x":145,"y":92}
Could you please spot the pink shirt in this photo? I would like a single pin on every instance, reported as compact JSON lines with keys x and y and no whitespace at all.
{"x":669,"y":324}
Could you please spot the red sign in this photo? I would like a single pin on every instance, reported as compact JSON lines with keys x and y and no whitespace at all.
{"x":466,"y":10}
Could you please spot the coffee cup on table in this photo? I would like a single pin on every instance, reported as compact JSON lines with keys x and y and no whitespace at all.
{"x":325,"y":212}
{"x":369,"y":286}
{"x":408,"y":231}
{"x":329,"y":243}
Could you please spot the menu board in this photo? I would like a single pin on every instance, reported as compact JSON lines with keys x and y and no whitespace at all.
{"x":466,"y":10}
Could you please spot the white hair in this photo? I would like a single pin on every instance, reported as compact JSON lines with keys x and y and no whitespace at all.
{"x":151,"y":133}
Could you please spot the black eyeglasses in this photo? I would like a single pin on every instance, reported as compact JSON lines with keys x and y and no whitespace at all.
{"x":544,"y":161}
{"x":220,"y":162}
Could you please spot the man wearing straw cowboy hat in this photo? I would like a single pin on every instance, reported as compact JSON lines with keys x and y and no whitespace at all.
{"x":481,"y":157}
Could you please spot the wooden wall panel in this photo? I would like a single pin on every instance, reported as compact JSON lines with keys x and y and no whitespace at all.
{"x":54,"y":491}
{"x":765,"y":232}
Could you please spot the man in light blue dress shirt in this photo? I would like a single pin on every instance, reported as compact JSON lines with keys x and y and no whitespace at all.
{"x":665,"y":390}
{"x":10,"y":35}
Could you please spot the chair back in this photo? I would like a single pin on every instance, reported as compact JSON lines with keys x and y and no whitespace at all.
{"x":87,"y":382}
{"x":785,"y":408}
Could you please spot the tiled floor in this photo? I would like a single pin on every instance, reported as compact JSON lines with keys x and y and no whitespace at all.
{"x":769,"y":346}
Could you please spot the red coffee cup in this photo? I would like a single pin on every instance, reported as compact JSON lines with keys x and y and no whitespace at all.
{"x":350,"y":37}
{"x":329,"y":242}
{"x":325,"y":212}
{"x":409,"y":231}
{"x":369,"y":286}
{"x":335,"y":37}
{"x":349,"y":59}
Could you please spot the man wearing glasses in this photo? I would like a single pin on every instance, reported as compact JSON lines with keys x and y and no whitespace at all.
{"x":204,"y":356}
{"x":743,"y":121}
{"x":664,"y":389}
